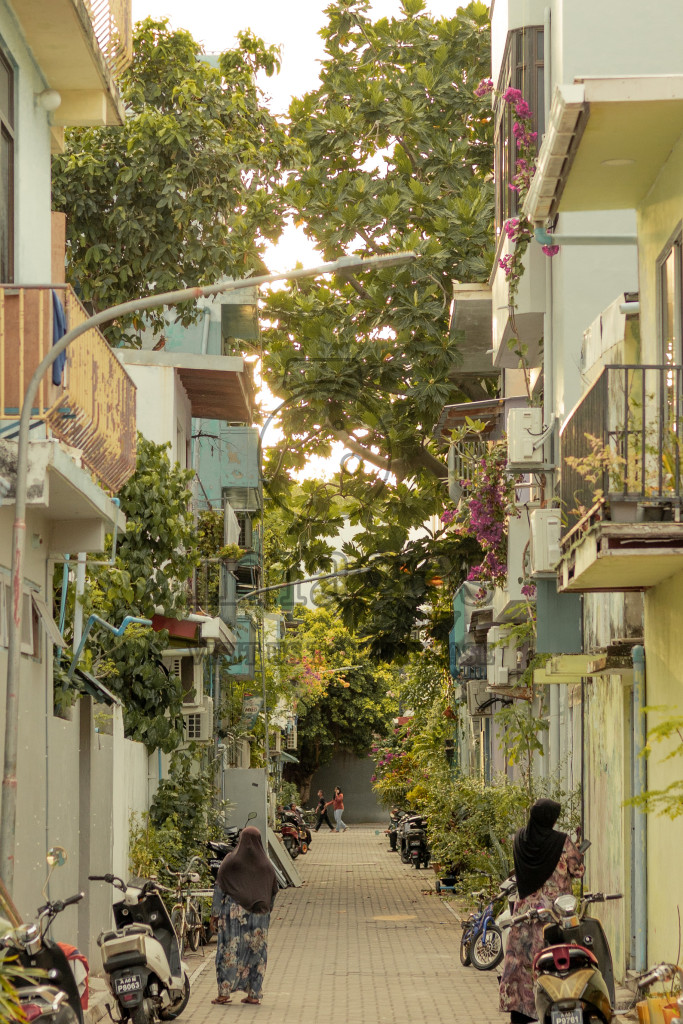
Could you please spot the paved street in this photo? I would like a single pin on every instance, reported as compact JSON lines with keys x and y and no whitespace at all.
{"x":358,"y":942}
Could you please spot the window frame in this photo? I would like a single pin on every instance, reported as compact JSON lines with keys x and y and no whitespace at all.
{"x":31,"y":625}
{"x":522,"y":68}
{"x":674,"y":246}
{"x":7,"y":132}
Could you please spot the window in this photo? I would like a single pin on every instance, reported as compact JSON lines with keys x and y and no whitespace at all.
{"x":670,"y":288}
{"x":30,"y":619}
{"x":522,"y":69}
{"x":6,"y":170}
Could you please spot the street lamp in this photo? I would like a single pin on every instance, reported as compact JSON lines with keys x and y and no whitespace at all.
{"x":345,"y":264}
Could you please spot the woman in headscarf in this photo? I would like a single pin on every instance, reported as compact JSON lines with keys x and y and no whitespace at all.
{"x":243,"y":898}
{"x":546,"y":862}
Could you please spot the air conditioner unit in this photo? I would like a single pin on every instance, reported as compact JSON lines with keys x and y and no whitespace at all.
{"x":198,"y":723}
{"x":546,"y":531}
{"x":478,"y":698}
{"x":291,"y":735}
{"x":190,"y":671}
{"x":231,"y":525}
{"x":275,"y":742}
{"x":525,"y":427}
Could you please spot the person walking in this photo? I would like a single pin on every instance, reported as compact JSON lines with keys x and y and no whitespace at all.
{"x":321,"y":813}
{"x":546,"y":862}
{"x":243,"y":898}
{"x":337,"y":802}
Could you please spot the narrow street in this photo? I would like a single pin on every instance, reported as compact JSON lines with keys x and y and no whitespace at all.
{"x":358,"y":942}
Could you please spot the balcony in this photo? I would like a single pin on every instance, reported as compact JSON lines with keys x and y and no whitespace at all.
{"x":93,"y":409}
{"x":621,"y":481}
{"x":81,"y":47}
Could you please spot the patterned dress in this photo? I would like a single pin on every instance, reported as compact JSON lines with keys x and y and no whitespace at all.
{"x":242,"y":947}
{"x":526,"y":940}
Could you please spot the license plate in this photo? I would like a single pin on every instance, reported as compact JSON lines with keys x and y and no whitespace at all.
{"x":131,"y":983}
{"x":573,"y":1016}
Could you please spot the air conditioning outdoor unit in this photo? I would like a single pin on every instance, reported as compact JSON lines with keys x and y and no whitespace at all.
{"x":275,"y":742}
{"x":525,"y":427}
{"x":198,"y":723}
{"x":477,"y":697}
{"x":291,"y":736}
{"x":190,"y":671}
{"x":544,"y":548}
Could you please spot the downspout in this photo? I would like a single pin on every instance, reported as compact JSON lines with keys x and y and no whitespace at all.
{"x":200,"y":423}
{"x":638,"y":787}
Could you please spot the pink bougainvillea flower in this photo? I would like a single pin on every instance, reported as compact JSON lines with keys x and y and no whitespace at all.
{"x":512,"y":96}
{"x":484,"y":87}
{"x":550,"y":250}
{"x":529,"y":590}
{"x":510,"y":227}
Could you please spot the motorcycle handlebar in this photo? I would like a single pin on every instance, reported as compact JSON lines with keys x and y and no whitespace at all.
{"x":662,"y":972}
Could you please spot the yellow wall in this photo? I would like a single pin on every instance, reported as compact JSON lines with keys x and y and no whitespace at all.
{"x":664,"y":681}
{"x":658,"y":218}
{"x":607,"y":774}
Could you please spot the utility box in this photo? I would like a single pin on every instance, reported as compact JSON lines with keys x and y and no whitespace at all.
{"x":544,"y":548}
{"x":525,"y":428}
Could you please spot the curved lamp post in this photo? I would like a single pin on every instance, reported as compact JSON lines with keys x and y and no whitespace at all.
{"x":347,"y":264}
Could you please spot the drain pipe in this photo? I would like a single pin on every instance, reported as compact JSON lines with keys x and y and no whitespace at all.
{"x":638,"y":787}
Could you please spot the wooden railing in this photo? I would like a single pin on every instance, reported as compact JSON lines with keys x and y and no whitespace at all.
{"x":93,"y":407}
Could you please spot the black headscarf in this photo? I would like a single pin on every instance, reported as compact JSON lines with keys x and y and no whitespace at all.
{"x":247,"y":875}
{"x":537,"y":847}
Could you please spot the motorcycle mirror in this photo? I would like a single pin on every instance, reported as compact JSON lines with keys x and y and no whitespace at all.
{"x":56,"y":857}
{"x":251,"y":815}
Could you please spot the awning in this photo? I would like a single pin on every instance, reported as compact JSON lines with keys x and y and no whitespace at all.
{"x":564,"y":668}
{"x":95,"y":689}
{"x":283,"y":756}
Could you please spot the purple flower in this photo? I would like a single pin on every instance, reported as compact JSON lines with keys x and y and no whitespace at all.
{"x":448,"y":516}
{"x":529,"y":590}
{"x":522,"y":108}
{"x":505,"y":264}
{"x":550,"y":250}
{"x":512,"y":96}
{"x":510,"y":227}
{"x":484,"y":87}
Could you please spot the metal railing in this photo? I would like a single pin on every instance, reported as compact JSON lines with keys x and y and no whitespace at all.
{"x":113,"y":27}
{"x":622,"y":441}
{"x":93,"y":408}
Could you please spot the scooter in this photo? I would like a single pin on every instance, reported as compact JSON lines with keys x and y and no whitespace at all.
{"x":293,"y":834}
{"x":219,"y":849}
{"x":58,"y":1000}
{"x":141,"y":957}
{"x":394,"y":818}
{"x":412,"y":840}
{"x":573,"y":975}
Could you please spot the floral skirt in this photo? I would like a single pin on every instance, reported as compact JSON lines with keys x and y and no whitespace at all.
{"x":242,"y":950}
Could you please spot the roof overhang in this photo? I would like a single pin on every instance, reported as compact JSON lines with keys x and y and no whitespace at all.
{"x":606,"y":141}
{"x":218,"y":387}
{"x":63,"y":42}
{"x":492,"y":413}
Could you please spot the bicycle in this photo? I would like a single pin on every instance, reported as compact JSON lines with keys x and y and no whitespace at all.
{"x":185,"y":913}
{"x":481,"y":944}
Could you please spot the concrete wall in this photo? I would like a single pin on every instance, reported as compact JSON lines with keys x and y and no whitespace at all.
{"x":607,"y":824}
{"x":162,"y":404}
{"x":664,"y":686}
{"x":352,"y":775}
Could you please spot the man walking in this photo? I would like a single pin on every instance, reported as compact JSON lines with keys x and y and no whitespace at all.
{"x":321,"y":813}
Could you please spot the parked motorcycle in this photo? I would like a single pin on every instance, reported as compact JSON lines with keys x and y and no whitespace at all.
{"x":394,"y":819}
{"x":573,"y":975}
{"x":293,"y":834}
{"x":220,"y":848}
{"x":141,"y":957}
{"x":58,"y":1000}
{"x":412,"y":840}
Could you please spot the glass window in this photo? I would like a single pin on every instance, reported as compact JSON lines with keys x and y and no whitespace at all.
{"x":522,"y":69}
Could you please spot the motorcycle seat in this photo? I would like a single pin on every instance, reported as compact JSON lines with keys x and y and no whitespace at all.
{"x":558,"y":959}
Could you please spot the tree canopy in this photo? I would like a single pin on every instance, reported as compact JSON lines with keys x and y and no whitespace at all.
{"x":394,"y":152}
{"x":187,"y":190}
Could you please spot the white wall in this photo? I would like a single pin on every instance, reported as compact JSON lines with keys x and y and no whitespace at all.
{"x":161,"y":403}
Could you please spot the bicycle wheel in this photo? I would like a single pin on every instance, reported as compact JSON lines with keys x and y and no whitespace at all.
{"x":193,"y":925}
{"x":178,"y":922}
{"x":465,"y":957}
{"x":487,"y":955}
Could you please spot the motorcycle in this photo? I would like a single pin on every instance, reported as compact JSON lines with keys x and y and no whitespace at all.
{"x":394,"y":819}
{"x":573,"y":974}
{"x":141,"y":957}
{"x":293,"y":834}
{"x":219,"y":849}
{"x":413,"y":841}
{"x":59,"y":1000}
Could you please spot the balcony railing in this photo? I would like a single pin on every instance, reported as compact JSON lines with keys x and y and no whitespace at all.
{"x":622,"y":442}
{"x":112,"y":24}
{"x":93,"y":408}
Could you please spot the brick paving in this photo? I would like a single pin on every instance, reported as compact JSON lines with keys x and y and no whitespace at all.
{"x":358,"y":943}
